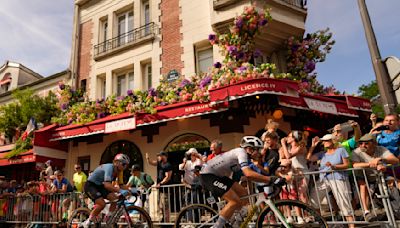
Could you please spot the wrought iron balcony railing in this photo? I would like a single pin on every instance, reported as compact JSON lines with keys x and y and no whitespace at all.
{"x":132,"y":37}
{"x":218,"y":4}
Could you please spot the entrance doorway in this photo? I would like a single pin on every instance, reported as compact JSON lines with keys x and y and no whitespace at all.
{"x":125,"y":147}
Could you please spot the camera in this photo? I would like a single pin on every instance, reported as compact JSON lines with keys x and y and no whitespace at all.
{"x":382,"y":127}
{"x":188,"y":156}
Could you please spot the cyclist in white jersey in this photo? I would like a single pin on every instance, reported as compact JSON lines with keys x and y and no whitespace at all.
{"x":215,"y":176}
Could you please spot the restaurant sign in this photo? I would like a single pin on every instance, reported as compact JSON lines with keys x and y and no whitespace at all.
{"x":120,"y":125}
{"x":321,"y":106}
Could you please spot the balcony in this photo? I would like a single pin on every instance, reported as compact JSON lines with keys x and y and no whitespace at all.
{"x":125,"y":41}
{"x":220,"y":4}
{"x":288,"y":19}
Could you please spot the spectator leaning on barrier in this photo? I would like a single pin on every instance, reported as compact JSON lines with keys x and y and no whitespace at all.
{"x":370,"y":155}
{"x":164,"y":175}
{"x":388,"y":135}
{"x":62,"y":185}
{"x":335,"y":158}
{"x":79,"y":178}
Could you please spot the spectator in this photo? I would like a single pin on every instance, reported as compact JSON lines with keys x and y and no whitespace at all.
{"x":79,"y":178}
{"x":164,"y":174}
{"x":140,"y":180}
{"x":216,"y":148}
{"x":370,"y":155}
{"x":270,"y":152}
{"x":62,"y":185}
{"x":12,"y":189}
{"x":48,"y":171}
{"x":293,"y":149}
{"x":192,"y":158}
{"x":342,"y":136}
{"x":389,"y":138}
{"x":271,"y":126}
{"x":335,"y":158}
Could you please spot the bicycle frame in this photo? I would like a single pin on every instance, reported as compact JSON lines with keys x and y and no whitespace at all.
{"x":261,"y":197}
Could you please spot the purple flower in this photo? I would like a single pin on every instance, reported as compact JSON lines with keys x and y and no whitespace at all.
{"x":100,"y":115}
{"x":232,"y":49}
{"x":211,"y":37}
{"x":152,"y":92}
{"x":309,"y":67}
{"x":263,"y":22}
{"x":257,"y":53}
{"x":64,"y":106}
{"x":129,"y":92}
{"x":184,"y":83}
{"x":217,"y":65}
{"x":239,"y":22}
{"x":240,"y":56}
{"x":120,"y":98}
{"x":163,"y":103}
{"x":205,"y":81}
{"x":242,"y":69}
{"x":61,"y":86}
{"x":70,"y":121}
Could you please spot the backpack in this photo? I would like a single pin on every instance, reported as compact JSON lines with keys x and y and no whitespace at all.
{"x":146,"y":183}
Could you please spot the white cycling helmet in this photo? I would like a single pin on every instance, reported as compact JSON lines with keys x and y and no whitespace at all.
{"x":122,"y":158}
{"x":251,"y":141}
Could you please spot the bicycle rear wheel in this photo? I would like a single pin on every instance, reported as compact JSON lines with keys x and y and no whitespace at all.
{"x":196,"y":215}
{"x":296,"y":213}
{"x":138,"y":218}
{"x":78,"y":217}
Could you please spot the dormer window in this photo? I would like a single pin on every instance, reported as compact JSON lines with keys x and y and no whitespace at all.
{"x":5,"y":82}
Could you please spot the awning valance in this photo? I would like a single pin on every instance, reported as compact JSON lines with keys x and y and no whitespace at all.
{"x":32,"y":156}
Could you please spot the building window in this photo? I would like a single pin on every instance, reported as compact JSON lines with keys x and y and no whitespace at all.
{"x":103,"y":35}
{"x":83,"y":85}
{"x":146,"y":16}
{"x":204,"y":60}
{"x":125,"y":25}
{"x":124,"y":82}
{"x":147,"y":78}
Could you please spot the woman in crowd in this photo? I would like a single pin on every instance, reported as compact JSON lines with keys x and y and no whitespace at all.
{"x":333,"y":159}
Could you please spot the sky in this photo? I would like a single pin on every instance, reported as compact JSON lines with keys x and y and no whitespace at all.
{"x":38,"y":34}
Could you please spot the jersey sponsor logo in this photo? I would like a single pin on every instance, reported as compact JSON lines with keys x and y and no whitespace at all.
{"x":220,"y":185}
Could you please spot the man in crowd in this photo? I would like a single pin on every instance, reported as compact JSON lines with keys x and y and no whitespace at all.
{"x":61,"y":185}
{"x":342,"y":135}
{"x":79,"y":178}
{"x":216,"y":148}
{"x":164,"y":175}
{"x":270,"y":152}
{"x":390,"y":137}
{"x":370,"y":155}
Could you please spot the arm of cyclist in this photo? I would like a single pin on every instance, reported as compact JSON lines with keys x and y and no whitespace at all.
{"x":253,"y":176}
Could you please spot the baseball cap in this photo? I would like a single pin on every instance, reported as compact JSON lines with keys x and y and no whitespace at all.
{"x":162,"y":153}
{"x":327,"y":137}
{"x":367,"y":138}
{"x":191,"y":151}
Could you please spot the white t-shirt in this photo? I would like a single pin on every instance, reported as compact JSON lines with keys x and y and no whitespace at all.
{"x":188,"y":167}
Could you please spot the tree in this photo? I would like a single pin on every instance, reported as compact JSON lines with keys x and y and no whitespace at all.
{"x":371,"y":92}
{"x":15,"y":116}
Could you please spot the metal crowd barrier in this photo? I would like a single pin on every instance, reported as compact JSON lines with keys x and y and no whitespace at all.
{"x":163,"y":204}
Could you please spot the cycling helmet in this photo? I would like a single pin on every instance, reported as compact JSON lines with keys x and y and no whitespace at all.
{"x":251,"y":141}
{"x":122,"y":158}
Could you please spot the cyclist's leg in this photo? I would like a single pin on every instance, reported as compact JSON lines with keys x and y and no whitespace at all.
{"x":112,"y":197}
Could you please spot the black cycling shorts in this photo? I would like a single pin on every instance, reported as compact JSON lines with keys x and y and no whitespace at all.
{"x":218,"y":186}
{"x":95,"y":191}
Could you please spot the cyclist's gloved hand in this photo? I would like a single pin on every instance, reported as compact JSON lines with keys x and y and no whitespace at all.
{"x":134,"y":191}
{"x":278,"y":181}
{"x":123,"y":192}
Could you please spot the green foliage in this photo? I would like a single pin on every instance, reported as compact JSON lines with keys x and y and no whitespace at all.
{"x":370,"y":91}
{"x":15,"y":116}
{"x":21,"y":146}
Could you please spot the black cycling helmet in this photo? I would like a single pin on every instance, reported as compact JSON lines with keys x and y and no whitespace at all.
{"x":136,"y":167}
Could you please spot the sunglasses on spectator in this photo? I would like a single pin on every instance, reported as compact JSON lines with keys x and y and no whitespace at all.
{"x":77,"y":167}
{"x":361,"y":143}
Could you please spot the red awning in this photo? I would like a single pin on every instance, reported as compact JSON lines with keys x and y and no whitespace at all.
{"x":254,"y":87}
{"x":318,"y":103}
{"x":164,"y":113}
{"x":28,"y":157}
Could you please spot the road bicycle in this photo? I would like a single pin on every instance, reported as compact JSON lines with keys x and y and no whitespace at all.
{"x":272,"y":215}
{"x":126,"y":214}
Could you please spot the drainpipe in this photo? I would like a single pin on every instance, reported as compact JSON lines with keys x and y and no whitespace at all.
{"x":75,"y":47}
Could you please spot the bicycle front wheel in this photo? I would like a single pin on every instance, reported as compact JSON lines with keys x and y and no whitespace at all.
{"x":296,"y":213}
{"x":78,"y":217}
{"x":196,"y":215}
{"x":134,"y":217}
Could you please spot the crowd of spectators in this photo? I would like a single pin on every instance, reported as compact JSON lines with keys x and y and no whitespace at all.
{"x":291,"y":157}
